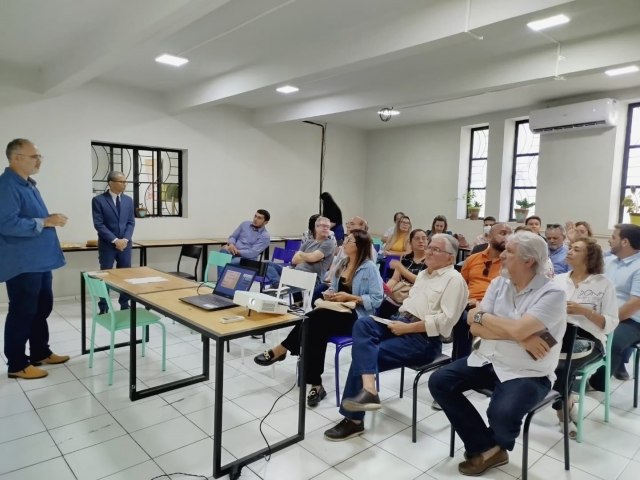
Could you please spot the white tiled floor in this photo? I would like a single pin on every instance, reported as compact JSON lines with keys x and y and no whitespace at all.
{"x":72,"y":425}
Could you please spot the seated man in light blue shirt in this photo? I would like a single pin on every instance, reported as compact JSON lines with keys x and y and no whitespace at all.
{"x":557,"y":249}
{"x":623,"y":269}
{"x":250,"y":238}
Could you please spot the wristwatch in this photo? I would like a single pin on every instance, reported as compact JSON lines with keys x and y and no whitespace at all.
{"x":477,"y":318}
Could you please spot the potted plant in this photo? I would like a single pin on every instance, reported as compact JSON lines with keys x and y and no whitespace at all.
{"x":632,"y":204}
{"x":523,"y":209}
{"x":141,"y":211}
{"x":473,"y":205}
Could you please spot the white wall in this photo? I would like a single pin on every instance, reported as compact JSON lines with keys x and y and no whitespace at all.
{"x":233,"y":166}
{"x":415,"y":169}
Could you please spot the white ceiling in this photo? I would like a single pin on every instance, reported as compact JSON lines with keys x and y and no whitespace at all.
{"x":349,"y":57}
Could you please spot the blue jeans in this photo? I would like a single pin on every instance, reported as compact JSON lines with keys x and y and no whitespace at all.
{"x":510,"y":402}
{"x":30,"y":303}
{"x":375,"y":349}
{"x":626,"y":334}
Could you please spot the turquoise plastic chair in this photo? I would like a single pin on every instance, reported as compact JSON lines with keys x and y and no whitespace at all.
{"x":216,"y":259}
{"x":584,"y":373}
{"x":118,"y":320}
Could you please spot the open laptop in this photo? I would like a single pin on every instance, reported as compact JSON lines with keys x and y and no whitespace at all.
{"x":232,"y":279}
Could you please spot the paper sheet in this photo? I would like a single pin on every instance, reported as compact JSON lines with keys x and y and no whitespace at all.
{"x":141,"y":280}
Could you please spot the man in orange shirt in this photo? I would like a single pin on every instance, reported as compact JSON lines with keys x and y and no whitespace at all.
{"x":478,"y":270}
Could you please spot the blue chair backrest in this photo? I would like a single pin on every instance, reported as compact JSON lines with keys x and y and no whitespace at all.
{"x":292,"y":245}
{"x":283,"y":255}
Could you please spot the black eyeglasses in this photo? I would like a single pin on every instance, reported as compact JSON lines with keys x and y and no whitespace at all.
{"x":554,"y":225}
{"x":487,"y":267}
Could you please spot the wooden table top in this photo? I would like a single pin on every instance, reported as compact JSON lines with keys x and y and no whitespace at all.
{"x":210,"y":321}
{"x":117,"y":277}
{"x":179,"y":242}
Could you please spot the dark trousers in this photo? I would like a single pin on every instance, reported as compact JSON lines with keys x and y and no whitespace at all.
{"x":510,"y":402}
{"x":107,"y":256}
{"x":624,"y":336}
{"x":321,"y":324}
{"x":30,"y":303}
{"x":375,"y":349}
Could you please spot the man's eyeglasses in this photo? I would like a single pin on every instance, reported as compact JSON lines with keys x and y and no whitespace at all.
{"x":34,"y":157}
{"x":437,"y":250}
{"x":487,"y":267}
{"x":554,"y":225}
{"x":119,"y":181}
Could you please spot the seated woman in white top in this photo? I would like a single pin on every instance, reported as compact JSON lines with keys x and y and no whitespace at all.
{"x":591,"y":304}
{"x":389,"y":231}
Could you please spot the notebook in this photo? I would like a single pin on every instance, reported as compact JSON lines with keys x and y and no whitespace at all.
{"x":233,"y":278}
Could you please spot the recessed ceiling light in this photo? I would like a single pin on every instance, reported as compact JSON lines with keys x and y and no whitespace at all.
{"x":171,"y":60}
{"x":287,"y":89}
{"x":548,"y":22}
{"x":389,"y":111}
{"x":622,"y":70}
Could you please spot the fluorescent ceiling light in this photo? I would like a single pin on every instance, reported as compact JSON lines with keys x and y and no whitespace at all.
{"x":622,"y":70}
{"x":287,"y":89}
{"x":548,"y":22}
{"x":171,"y":60}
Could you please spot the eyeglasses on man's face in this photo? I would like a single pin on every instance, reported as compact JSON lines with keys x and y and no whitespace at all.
{"x":33,"y":157}
{"x":437,"y":250}
{"x":124,"y":182}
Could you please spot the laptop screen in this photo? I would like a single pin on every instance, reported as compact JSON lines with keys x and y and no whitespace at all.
{"x":234,"y":278}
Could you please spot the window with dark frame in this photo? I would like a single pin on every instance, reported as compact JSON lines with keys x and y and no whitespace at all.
{"x":524,"y":174}
{"x":630,"y":182}
{"x":477,"y":180}
{"x":154,"y":175}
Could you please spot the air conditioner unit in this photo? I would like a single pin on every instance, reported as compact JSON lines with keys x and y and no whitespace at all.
{"x":591,"y":114}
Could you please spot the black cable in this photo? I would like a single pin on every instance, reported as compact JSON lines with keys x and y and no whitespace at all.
{"x":267,"y":457}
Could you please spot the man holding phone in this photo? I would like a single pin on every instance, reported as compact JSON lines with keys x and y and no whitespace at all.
{"x":518,"y":320}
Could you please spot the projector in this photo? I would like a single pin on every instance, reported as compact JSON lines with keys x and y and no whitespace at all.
{"x":260,"y":302}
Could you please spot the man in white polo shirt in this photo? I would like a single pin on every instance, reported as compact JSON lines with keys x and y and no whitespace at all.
{"x":512,"y":360}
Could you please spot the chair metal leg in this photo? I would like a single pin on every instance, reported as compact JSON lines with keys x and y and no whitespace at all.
{"x":111,"y":356}
{"x":336,"y":364}
{"x":164,"y":346}
{"x":452,"y":442}
{"x":93,"y":343}
{"x":414,"y":411}
{"x":144,"y":341}
{"x":636,"y":365}
{"x":401,"y":381}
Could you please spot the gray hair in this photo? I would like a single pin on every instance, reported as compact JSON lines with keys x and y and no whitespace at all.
{"x":113,"y":176}
{"x":320,"y":219}
{"x":15,"y":145}
{"x":531,"y":246}
{"x":450,"y":241}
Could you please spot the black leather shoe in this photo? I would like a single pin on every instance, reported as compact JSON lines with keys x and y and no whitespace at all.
{"x":267,"y":358}
{"x":344,"y":430}
{"x":316,"y":394}
{"x":622,"y":374}
{"x":363,"y":402}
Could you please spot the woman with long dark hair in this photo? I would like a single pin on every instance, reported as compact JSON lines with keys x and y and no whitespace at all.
{"x":331,"y":210}
{"x":356,"y":280}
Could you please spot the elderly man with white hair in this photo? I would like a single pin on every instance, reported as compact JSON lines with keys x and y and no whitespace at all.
{"x":519,"y":310}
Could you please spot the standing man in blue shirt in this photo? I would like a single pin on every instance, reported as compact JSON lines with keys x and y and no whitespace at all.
{"x":623,"y":269}
{"x":30,"y":250}
{"x":114,"y":221}
{"x":250,"y":238}
{"x":555,"y":235}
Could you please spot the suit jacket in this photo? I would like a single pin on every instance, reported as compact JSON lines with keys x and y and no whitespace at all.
{"x":108,"y":223}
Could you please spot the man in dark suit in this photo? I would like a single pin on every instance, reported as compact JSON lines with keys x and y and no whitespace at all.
{"x":113,"y":219}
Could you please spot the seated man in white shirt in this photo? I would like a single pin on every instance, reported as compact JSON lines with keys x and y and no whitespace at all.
{"x":512,"y":360}
{"x":412,"y":337}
